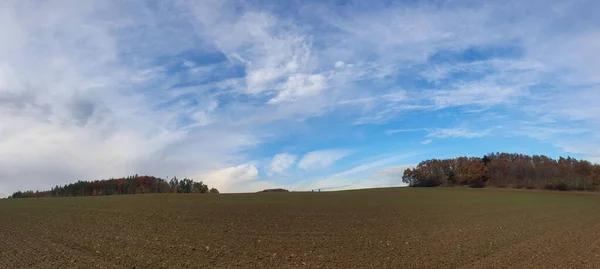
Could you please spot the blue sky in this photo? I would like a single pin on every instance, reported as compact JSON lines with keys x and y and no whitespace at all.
{"x":247,"y":95}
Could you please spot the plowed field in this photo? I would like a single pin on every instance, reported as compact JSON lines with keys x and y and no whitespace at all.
{"x":380,"y":228}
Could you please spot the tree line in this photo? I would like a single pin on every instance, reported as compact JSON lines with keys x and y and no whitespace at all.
{"x":275,"y":190}
{"x":117,"y":186}
{"x":506,"y":170}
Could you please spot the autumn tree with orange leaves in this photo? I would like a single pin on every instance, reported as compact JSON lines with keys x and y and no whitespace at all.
{"x":506,"y":170}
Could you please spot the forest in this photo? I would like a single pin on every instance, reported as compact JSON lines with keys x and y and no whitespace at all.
{"x":506,"y":170}
{"x":128,"y":185}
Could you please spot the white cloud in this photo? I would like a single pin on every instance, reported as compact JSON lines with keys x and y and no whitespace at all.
{"x":458,"y":133}
{"x":281,"y":162}
{"x":233,"y":179}
{"x":580,"y":147}
{"x":405,"y":130}
{"x":385,"y":177}
{"x":390,"y":176}
{"x":299,"y":85}
{"x":475,"y":94}
{"x":321,"y":158}
{"x":269,"y":54}
{"x":368,"y":166}
{"x":359,"y":176}
{"x":546,"y":131}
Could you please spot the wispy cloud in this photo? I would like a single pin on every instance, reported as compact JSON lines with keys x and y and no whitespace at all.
{"x":481,"y":94}
{"x":405,"y":130}
{"x":370,"y":165}
{"x":359,"y":175}
{"x":321,"y":158}
{"x":458,"y":133}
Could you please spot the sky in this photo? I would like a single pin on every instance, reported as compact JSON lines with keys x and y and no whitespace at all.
{"x":248,"y":95}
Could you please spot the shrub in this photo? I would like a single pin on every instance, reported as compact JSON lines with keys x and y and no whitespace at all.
{"x":501,"y":185}
{"x":578,"y":188}
{"x":477,"y":184}
{"x":561,"y":186}
{"x":519,"y":185}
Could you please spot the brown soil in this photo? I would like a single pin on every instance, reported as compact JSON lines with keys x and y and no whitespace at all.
{"x":385,"y":228}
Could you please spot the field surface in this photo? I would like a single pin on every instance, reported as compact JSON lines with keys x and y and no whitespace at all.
{"x":379,"y":228}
